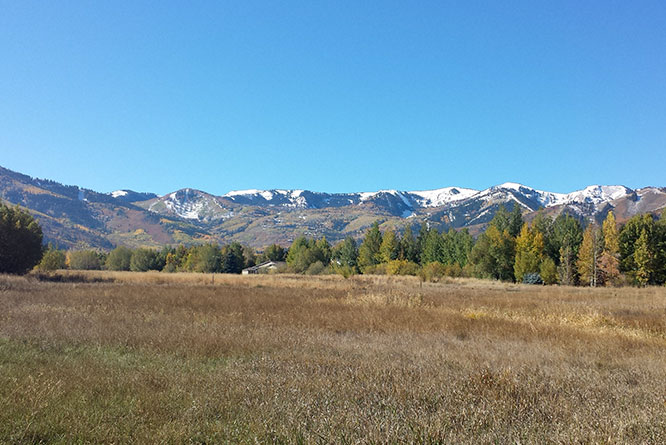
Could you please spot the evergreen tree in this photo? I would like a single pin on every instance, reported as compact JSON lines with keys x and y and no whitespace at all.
{"x":432,"y":248}
{"x":369,"y":253}
{"x":463,"y":246}
{"x":346,"y":253}
{"x":501,"y":220}
{"x":232,"y":259}
{"x":322,"y":251}
{"x":515,"y":220}
{"x":408,"y":246}
{"x":421,"y":239}
{"x":589,"y":256}
{"x":655,"y":234}
{"x":274,"y":252}
{"x":567,"y":237}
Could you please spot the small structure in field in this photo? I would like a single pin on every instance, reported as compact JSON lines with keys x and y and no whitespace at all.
{"x":265,"y":267}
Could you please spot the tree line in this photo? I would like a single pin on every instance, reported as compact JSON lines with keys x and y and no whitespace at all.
{"x":546,"y":250}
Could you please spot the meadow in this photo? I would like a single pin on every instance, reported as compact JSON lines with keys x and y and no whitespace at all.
{"x":104,"y":357}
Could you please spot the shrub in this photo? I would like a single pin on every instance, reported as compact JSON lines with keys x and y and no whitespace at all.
{"x":432,"y":272}
{"x":84,"y":260}
{"x":143,"y":260}
{"x":532,"y":278}
{"x":548,"y":271}
{"x":316,"y":268}
{"x":402,"y":267}
{"x":119,"y":259}
{"x":53,"y":259}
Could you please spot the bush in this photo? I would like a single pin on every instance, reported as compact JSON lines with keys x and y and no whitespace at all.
{"x":402,"y":267}
{"x":53,"y":259}
{"x":84,"y":260}
{"x":432,"y":272}
{"x":375,"y":269}
{"x":20,"y":241}
{"x":344,"y":269}
{"x":143,"y":260}
{"x":548,"y":271}
{"x":119,"y":259}
{"x":316,"y":268}
{"x":532,"y":278}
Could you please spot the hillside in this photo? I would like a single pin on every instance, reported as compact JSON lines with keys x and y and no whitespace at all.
{"x":75,"y":217}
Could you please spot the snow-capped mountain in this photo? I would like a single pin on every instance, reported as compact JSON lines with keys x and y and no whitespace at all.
{"x":73,"y":217}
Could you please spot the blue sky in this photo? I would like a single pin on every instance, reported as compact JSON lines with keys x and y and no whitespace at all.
{"x":334,"y":96}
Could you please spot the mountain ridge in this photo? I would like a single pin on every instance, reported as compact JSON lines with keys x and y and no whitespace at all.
{"x":77,"y":217}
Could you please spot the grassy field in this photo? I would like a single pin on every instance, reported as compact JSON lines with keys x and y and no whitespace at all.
{"x":158,"y":358}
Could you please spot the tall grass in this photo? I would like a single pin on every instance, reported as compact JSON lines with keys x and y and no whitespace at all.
{"x":140,"y":357}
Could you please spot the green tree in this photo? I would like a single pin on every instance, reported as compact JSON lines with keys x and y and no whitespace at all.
{"x":84,"y":260}
{"x":548,"y":271}
{"x":20,"y":240}
{"x":515,"y":220}
{"x":274,"y":252}
{"x":543,"y":224}
{"x":143,"y":260}
{"x":409,"y":249}
{"x":119,"y":258}
{"x":493,"y":255}
{"x":433,"y":248}
{"x":567,"y":237}
{"x":655,"y":234}
{"x":232,"y":260}
{"x":346,"y":253}
{"x":369,"y":253}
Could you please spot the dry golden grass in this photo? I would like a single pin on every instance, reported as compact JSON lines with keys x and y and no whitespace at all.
{"x":158,"y":358}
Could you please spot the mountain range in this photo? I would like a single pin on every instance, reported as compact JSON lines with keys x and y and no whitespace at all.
{"x":75,"y":217}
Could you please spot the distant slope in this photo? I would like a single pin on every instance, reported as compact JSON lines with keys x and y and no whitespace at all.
{"x":74,"y":217}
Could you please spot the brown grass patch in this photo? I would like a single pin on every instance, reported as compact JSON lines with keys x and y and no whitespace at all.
{"x":194,"y":358}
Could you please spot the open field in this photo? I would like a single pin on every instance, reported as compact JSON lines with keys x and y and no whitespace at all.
{"x":159,"y":358}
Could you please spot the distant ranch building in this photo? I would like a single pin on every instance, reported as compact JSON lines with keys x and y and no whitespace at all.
{"x":266,"y":267}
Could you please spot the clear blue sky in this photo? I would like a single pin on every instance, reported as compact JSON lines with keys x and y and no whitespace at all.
{"x":334,"y":96}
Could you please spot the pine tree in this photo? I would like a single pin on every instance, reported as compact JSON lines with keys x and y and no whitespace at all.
{"x":515,"y":220}
{"x":589,"y":256}
{"x":347,"y":253}
{"x":369,"y":252}
{"x":567,"y":237}
{"x":408,"y":246}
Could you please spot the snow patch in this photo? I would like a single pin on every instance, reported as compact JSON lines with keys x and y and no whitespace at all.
{"x":119,"y":193}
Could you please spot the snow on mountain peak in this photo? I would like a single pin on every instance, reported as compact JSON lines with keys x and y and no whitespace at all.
{"x":439,"y":197}
{"x":119,"y":193}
